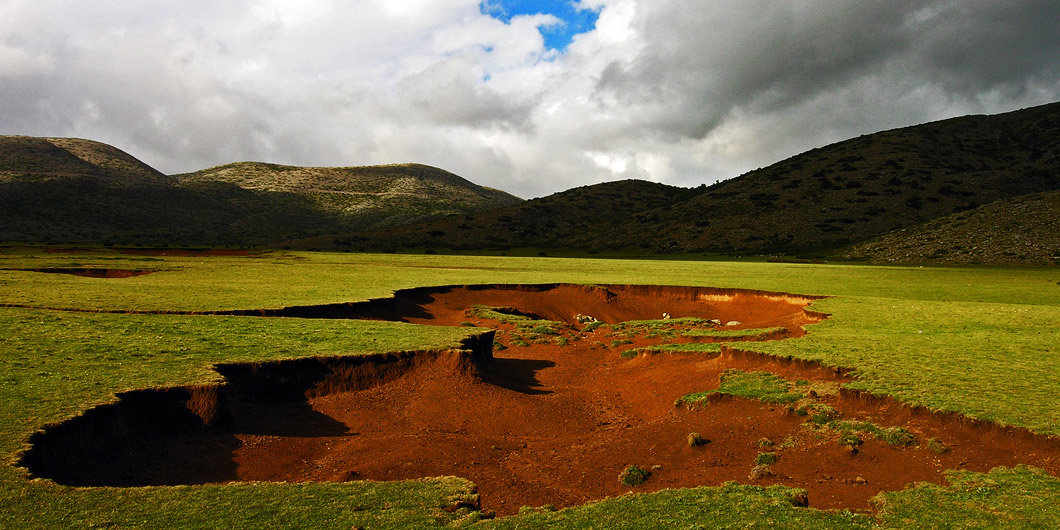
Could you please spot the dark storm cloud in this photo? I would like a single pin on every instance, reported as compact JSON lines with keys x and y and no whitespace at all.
{"x":702,"y":61}
{"x":988,"y":45}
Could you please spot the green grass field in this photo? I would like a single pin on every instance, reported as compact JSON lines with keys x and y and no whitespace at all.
{"x":981,"y":341}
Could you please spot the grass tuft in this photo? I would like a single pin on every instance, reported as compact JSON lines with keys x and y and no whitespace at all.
{"x":763,"y":386}
{"x":765,"y":459}
{"x":760,"y":472}
{"x":936,"y":446}
{"x":633,"y":475}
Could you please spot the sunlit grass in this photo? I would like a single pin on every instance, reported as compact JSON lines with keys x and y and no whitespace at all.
{"x":980,"y":341}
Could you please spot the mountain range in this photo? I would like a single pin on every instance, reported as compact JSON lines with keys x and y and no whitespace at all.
{"x":892,"y":196}
{"x":817,"y":202}
{"x":64,"y":190}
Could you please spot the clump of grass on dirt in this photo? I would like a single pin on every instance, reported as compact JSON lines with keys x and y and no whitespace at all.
{"x":819,"y":413}
{"x":508,"y":315}
{"x":937,"y":446}
{"x":760,"y":472}
{"x":590,"y":327}
{"x":633,"y":475}
{"x":672,"y":348}
{"x":663,"y":328}
{"x":695,"y":440}
{"x":849,"y":430}
{"x":525,"y":329}
{"x":765,"y":459}
{"x":763,"y":386}
{"x":544,"y":330}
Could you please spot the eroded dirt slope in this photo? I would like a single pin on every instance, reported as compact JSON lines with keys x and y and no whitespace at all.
{"x":548,"y":408}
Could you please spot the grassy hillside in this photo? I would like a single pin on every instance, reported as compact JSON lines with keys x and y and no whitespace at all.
{"x":822,"y":199}
{"x":366,"y":196}
{"x":27,"y":158}
{"x":865,"y":187}
{"x":61,"y":190}
{"x":81,"y":191}
{"x":1023,"y":230}
{"x":559,"y":220}
{"x":65,"y":190}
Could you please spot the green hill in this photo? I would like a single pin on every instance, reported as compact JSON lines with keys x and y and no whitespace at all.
{"x":1022,"y":230}
{"x":864,"y":187}
{"x":27,"y":158}
{"x":814,"y":202}
{"x":65,"y":190}
{"x":556,"y":221}
{"x":366,"y":196}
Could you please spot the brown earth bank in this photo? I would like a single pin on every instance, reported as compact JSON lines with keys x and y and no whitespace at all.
{"x":554,"y":421}
{"x":448,"y":305}
{"x":90,"y":272}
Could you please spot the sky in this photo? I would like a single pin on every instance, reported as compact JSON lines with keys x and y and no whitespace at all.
{"x":527,"y":96}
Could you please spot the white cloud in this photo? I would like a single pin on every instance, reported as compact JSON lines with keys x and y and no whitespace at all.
{"x":676,"y":91}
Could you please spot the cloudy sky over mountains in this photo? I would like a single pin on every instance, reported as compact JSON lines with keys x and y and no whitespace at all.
{"x":528,"y":96}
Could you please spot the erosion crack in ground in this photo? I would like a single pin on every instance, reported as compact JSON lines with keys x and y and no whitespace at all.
{"x":574,"y":384}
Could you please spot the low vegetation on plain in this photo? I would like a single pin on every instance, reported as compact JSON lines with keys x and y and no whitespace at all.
{"x":912,"y":333}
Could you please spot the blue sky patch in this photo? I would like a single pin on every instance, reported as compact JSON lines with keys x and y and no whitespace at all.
{"x":558,"y":36}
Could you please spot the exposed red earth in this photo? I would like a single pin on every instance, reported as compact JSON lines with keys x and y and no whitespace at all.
{"x":553,"y":422}
{"x":91,"y":272}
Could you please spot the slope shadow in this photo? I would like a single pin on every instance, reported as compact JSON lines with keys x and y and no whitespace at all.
{"x":519,"y":375}
{"x":203,"y":458}
{"x":293,"y":419}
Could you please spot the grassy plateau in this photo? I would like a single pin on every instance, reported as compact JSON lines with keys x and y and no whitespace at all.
{"x":984,"y":342}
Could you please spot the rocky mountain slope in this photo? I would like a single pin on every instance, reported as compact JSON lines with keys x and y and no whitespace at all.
{"x":1023,"y":230}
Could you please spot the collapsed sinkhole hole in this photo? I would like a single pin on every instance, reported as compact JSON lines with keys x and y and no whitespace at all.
{"x":88,"y":272}
{"x":545,"y":408}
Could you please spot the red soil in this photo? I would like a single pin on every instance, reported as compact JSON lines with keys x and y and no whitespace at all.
{"x":93,"y":273}
{"x":552,"y":424}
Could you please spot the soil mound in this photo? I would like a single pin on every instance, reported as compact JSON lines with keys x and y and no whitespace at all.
{"x":572,"y":385}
